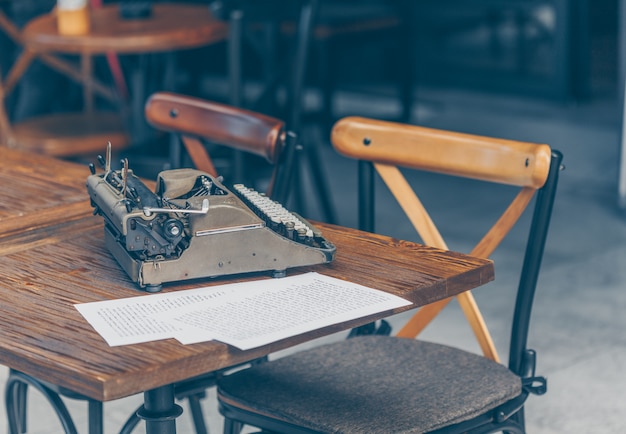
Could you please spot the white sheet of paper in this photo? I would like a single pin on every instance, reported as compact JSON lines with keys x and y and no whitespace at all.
{"x":134,"y":320}
{"x":245,"y":315}
{"x":276,"y":309}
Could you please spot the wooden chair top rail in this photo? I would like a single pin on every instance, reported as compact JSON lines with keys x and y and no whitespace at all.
{"x":490,"y":159}
{"x":221,"y":124}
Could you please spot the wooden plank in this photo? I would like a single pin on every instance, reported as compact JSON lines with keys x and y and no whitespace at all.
{"x":43,"y":335}
{"x":38,"y":191}
{"x":52,"y":256}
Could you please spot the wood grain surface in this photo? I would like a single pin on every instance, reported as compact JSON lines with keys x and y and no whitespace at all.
{"x":38,"y":191}
{"x":48,"y":267}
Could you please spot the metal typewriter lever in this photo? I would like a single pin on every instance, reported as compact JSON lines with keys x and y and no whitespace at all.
{"x":147,"y":211}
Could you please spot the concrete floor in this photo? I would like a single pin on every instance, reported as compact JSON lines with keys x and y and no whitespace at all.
{"x":578,"y":326}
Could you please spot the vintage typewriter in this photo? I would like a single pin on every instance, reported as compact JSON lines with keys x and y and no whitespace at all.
{"x":193,"y":226}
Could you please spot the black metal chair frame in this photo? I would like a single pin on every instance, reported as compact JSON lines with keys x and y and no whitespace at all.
{"x":16,"y":391}
{"x":508,"y":417}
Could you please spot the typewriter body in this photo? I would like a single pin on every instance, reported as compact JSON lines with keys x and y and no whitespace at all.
{"x":193,"y":226}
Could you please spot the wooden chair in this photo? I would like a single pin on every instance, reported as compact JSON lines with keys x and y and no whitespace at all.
{"x":63,"y":135}
{"x":384,"y":384}
{"x":199,"y":123}
{"x":194,"y":120}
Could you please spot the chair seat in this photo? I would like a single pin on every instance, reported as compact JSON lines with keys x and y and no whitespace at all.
{"x":71,"y":134}
{"x":371,"y":383}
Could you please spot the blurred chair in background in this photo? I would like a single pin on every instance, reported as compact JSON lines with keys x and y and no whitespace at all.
{"x":200,"y":123}
{"x":283,"y":64}
{"x":61,"y":134}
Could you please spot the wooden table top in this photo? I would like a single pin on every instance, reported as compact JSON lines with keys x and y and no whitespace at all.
{"x":51,"y":265}
{"x":53,"y":194}
{"x":170,"y":27}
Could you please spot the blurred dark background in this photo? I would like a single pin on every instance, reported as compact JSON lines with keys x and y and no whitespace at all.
{"x":563,"y":52}
{"x":555,"y":49}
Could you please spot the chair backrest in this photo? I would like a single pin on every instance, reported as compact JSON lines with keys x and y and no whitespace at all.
{"x":388,"y":146}
{"x":195,"y":120}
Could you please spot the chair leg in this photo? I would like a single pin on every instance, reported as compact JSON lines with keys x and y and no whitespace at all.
{"x":20,"y":398}
{"x":15,"y":411}
{"x":232,"y":426}
{"x":15,"y":391}
{"x":131,"y":422}
{"x":320,"y":181}
{"x":196,"y":413}
{"x":328,"y":81}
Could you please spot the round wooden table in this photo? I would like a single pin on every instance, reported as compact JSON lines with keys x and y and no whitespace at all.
{"x":170,"y":27}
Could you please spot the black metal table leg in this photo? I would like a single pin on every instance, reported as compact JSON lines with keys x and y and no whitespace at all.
{"x":96,"y":417}
{"x":160,"y":411}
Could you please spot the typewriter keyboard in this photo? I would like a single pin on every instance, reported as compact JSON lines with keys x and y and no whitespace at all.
{"x":276,"y":216}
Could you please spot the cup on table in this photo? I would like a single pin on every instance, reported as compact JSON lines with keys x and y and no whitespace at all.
{"x":73,"y":17}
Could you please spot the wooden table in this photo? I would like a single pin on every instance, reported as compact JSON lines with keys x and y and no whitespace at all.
{"x":171,"y":27}
{"x":53,"y":256}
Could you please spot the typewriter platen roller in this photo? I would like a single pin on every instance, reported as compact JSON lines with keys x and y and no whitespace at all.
{"x":193,"y":226}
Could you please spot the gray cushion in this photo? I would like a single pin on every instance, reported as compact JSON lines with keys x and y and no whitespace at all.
{"x":374,"y":384}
